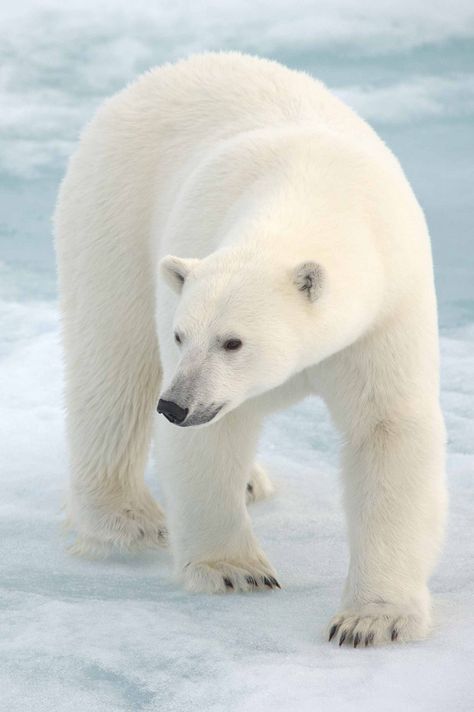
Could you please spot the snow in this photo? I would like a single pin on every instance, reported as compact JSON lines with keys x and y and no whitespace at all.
{"x":119,"y":634}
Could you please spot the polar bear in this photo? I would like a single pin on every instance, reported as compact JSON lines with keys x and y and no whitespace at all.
{"x":230,"y":238}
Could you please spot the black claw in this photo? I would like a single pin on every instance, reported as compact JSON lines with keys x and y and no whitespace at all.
{"x":369,"y":638}
{"x":267,"y":582}
{"x":342,"y":638}
{"x":333,"y":631}
{"x":357,"y":639}
{"x":228,"y":582}
{"x":251,"y":580}
{"x":394,"y":634}
{"x":274,"y":581}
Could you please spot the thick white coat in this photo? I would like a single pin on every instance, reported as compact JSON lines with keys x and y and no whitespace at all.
{"x":294,"y":230}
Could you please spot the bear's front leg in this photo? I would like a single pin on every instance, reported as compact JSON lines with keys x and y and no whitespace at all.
{"x":394,"y":497}
{"x":383,"y":396}
{"x":205,"y":471}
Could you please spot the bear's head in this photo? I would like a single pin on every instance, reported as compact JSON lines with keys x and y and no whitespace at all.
{"x":242,"y":327}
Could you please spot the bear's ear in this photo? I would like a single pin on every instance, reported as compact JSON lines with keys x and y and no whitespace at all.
{"x":309,"y":279}
{"x":175,"y":271}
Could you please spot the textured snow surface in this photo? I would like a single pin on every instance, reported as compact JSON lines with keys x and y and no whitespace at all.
{"x":120,"y":635}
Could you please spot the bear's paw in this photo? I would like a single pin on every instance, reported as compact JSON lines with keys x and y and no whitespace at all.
{"x":378,"y":624}
{"x":128,"y":526}
{"x":259,"y":485}
{"x":229,"y":577}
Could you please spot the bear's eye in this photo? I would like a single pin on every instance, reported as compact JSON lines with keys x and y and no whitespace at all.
{"x":177,"y":337}
{"x":232,"y":344}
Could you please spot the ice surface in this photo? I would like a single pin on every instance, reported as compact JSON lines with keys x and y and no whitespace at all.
{"x":119,"y":634}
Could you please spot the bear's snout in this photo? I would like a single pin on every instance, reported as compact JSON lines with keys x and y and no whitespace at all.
{"x":172,"y":411}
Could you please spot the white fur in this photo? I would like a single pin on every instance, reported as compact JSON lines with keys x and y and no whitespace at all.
{"x":293,"y":229}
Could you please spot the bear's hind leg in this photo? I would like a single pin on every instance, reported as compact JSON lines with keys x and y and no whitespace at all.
{"x":110,"y":410}
{"x":111,"y":392}
{"x":112,"y":361}
{"x":132,"y":524}
{"x":259,"y":485}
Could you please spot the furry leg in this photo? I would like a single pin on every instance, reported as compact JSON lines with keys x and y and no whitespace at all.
{"x":393,"y":470}
{"x":204,"y":472}
{"x":112,"y":361}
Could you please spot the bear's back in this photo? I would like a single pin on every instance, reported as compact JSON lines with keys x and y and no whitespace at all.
{"x":218,"y":94}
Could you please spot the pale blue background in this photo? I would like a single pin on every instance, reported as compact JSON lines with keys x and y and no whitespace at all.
{"x":120,"y":635}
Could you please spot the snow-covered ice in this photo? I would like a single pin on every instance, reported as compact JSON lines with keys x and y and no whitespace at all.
{"x":119,"y":634}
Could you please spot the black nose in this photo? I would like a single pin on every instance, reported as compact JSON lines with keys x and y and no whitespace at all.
{"x":172,"y":411}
